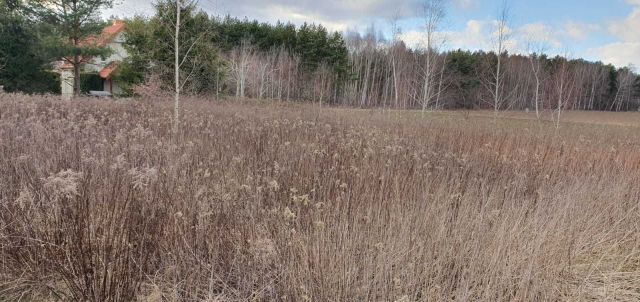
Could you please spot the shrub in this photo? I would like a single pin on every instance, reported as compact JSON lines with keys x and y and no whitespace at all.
{"x":258,"y":202}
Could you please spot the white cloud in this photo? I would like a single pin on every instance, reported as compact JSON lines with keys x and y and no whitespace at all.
{"x":278,"y":12}
{"x":465,"y":4}
{"x":579,"y":31}
{"x":620,"y":54}
{"x":476,"y":35}
{"x":539,"y":34}
{"x":482,"y":35}
{"x":413,"y":39}
{"x":336,"y":11}
{"x":627,"y":50}
{"x":627,"y":29}
{"x":333,"y":14}
{"x":130,"y":8}
{"x":634,"y":2}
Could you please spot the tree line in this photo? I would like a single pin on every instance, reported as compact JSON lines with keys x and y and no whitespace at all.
{"x":244,"y":58}
{"x":388,"y":74}
{"x":233,"y":56}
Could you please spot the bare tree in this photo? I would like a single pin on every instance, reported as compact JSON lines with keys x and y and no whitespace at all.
{"x":433,"y":13}
{"x":369,"y":54}
{"x":597,"y":75}
{"x":535,"y":59}
{"x":322,"y":82}
{"x":564,"y":87}
{"x":185,"y":43}
{"x":176,"y":50}
{"x":501,"y":36}
{"x":625,"y":80}
{"x":3,"y":60}
{"x":3,"y":64}
{"x":393,"y":54}
{"x":441,"y":80}
{"x":240,"y":63}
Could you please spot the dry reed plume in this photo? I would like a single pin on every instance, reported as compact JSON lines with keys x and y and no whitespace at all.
{"x":290,"y":203}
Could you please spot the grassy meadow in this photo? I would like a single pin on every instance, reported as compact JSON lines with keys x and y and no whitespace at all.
{"x":99,"y":201}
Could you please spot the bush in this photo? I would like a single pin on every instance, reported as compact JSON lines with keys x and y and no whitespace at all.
{"x":100,"y":202}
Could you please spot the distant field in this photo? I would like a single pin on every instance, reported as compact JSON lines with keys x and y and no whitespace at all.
{"x":585,"y":117}
{"x":99,"y":201}
{"x":626,"y":119}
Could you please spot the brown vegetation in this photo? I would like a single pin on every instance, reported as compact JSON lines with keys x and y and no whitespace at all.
{"x":291,"y":203}
{"x":630,"y":119}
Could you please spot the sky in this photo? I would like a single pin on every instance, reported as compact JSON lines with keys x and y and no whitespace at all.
{"x":596,"y":30}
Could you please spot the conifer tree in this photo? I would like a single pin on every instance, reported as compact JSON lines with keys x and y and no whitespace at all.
{"x":75,"y":20}
{"x":23,"y":62}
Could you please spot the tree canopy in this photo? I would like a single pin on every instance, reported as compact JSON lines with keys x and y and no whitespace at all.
{"x":74,"y":21}
{"x":24,"y":62}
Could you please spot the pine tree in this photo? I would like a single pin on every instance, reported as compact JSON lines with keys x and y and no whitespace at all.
{"x":23,"y":62}
{"x":150,"y":46}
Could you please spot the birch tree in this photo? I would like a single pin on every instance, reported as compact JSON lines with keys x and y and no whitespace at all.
{"x":626,"y":81}
{"x":184,"y":34}
{"x":393,"y":54}
{"x":535,"y":60}
{"x":563,"y":86}
{"x":240,"y":63}
{"x":185,"y":45}
{"x":176,"y":52}
{"x":433,"y":13}
{"x":501,"y":36}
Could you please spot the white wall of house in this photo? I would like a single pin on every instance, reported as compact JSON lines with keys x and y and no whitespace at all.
{"x":66,"y":83}
{"x":118,"y":53}
{"x":117,"y":45}
{"x":112,"y":86}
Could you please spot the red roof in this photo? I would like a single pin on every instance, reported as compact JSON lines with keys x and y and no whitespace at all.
{"x":107,"y":36}
{"x":110,"y":33}
{"x":106,"y":72}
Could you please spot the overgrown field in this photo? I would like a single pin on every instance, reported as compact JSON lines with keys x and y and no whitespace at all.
{"x":255,"y":202}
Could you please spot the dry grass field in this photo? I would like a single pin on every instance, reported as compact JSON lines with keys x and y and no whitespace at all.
{"x":628,"y":119}
{"x":281,"y":202}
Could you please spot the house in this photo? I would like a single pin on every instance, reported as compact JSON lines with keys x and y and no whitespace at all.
{"x":112,"y":37}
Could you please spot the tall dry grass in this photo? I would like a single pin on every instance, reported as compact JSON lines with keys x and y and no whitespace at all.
{"x":290,"y":203}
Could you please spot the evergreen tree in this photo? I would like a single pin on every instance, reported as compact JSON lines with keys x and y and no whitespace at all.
{"x":150,"y":46}
{"x":338,"y":57}
{"x":463,"y":66}
{"x":23,"y":63}
{"x":75,"y":21}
